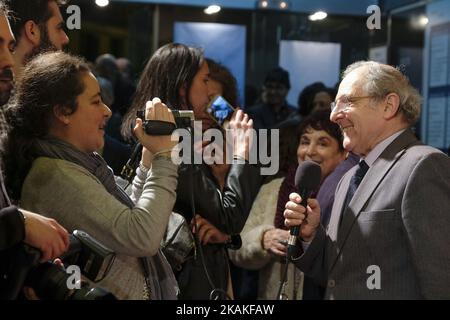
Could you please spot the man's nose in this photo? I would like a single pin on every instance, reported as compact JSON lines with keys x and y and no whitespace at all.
{"x":108,"y":112}
{"x":336,"y":115}
{"x":65,"y":39}
{"x":6,"y":59}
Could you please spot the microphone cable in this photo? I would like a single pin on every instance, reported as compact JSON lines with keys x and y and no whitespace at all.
{"x":283,"y":279}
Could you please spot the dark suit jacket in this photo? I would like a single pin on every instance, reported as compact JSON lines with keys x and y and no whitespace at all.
{"x":397,"y":221}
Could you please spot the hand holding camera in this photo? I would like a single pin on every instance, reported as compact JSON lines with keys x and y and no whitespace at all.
{"x":155,"y":110}
{"x":51,"y":280}
{"x":45,"y":234}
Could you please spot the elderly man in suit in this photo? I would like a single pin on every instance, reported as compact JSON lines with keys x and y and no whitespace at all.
{"x":389,"y":232}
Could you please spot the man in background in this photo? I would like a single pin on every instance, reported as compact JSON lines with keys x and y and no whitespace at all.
{"x":18,"y":225}
{"x":274,"y":108}
{"x":38,"y":26}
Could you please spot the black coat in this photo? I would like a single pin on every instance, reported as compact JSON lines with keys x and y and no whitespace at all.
{"x":12,"y":233}
{"x":12,"y":230}
{"x":227,"y":210}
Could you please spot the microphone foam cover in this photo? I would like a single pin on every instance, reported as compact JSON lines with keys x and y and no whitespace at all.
{"x":308,"y":175}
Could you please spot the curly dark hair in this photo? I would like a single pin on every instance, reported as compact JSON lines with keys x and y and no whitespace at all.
{"x":171,"y":67}
{"x":320,"y":120}
{"x":306,"y":97}
{"x":50,"y":80}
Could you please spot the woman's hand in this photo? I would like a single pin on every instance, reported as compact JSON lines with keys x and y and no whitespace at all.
{"x":275,"y":240}
{"x":241,"y":127}
{"x":206,"y":232}
{"x":155,"y":110}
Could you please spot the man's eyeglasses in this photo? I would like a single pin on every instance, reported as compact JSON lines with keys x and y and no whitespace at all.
{"x":344,"y":102}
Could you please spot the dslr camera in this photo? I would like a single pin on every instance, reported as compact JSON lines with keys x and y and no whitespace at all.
{"x":51,"y":281}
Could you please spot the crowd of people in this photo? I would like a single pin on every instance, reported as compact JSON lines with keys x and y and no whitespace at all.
{"x":68,"y":127}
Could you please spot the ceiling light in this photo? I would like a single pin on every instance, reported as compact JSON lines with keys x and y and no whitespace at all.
{"x":423,"y":21}
{"x":212,"y":9}
{"x":319,"y":15}
{"x":419,"y":22}
{"x":102,"y":3}
{"x":283,"y":5}
{"x":264,"y":4}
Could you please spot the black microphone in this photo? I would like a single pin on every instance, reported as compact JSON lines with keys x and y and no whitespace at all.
{"x":307,"y":180}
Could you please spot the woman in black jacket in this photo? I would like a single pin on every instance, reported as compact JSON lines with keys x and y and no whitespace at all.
{"x":179,"y":75}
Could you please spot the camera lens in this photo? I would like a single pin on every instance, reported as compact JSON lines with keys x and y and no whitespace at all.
{"x":49,"y":282}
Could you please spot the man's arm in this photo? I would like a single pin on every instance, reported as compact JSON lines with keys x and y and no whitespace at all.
{"x":426,"y":216}
{"x":313,"y":262}
{"x":45,"y":234}
{"x":17,"y":225}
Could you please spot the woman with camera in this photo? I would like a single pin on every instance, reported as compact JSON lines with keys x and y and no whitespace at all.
{"x":179,"y":75}
{"x":58,"y":121}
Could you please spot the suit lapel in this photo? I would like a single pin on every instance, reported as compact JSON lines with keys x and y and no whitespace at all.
{"x":339,"y":198}
{"x":377,"y":172}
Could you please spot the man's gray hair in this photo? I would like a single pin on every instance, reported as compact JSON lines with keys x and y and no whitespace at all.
{"x":381,"y":79}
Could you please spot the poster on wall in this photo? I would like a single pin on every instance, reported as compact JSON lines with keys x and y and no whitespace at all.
{"x":436,"y":114}
{"x":224,"y":43}
{"x":309,"y":62}
{"x":378,"y":54}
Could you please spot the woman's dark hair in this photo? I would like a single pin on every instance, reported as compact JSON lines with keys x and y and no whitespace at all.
{"x":320,"y":120}
{"x":332,"y":92}
{"x":49,"y":80}
{"x":171,"y":68}
{"x":306,"y":97}
{"x":221,"y":74}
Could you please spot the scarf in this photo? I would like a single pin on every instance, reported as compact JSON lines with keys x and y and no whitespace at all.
{"x":160,"y":279}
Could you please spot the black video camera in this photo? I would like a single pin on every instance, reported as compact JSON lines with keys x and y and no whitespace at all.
{"x":183,"y":119}
{"x":51,"y":281}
